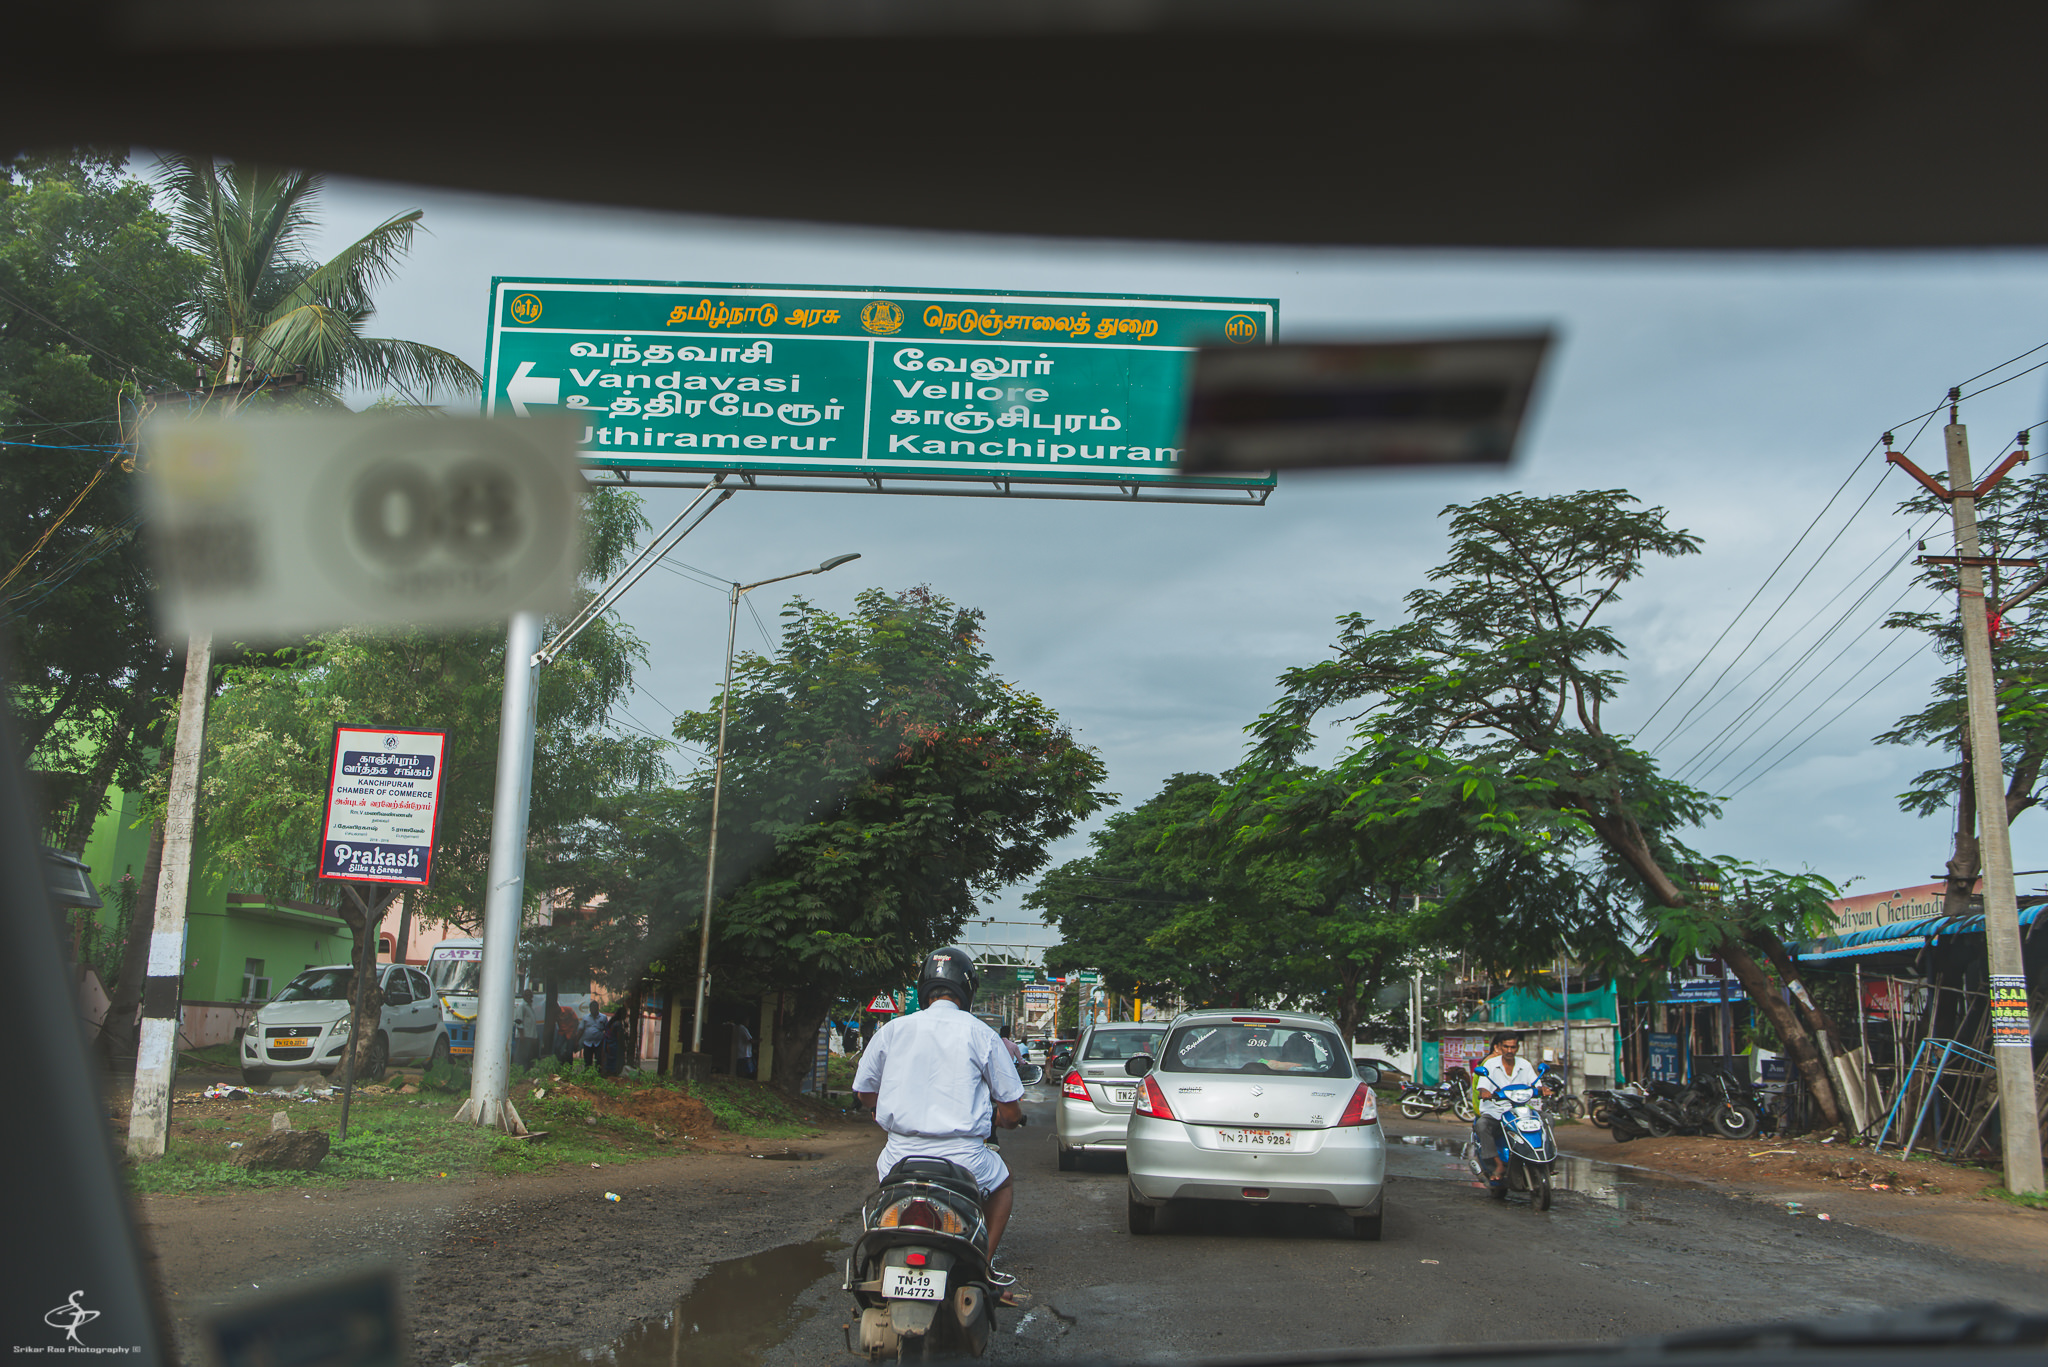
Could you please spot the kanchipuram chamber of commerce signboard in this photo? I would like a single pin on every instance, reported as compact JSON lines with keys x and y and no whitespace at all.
{"x":383,"y":799}
{"x":669,"y":379}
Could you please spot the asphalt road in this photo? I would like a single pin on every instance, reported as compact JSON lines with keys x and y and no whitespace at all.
{"x":1619,"y":1256}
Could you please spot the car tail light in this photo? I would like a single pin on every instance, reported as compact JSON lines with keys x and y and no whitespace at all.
{"x":1151,"y":1101}
{"x":1254,"y":1020}
{"x":1363,"y":1109}
{"x":1074,"y":1087}
{"x":1256,"y":1193}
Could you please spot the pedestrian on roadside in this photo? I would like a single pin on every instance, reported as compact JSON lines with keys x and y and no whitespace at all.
{"x":615,"y":1032}
{"x":746,"y":1050}
{"x":593,"y":1036}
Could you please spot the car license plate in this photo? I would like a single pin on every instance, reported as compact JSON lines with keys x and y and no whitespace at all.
{"x":1121,"y":1096}
{"x":913,"y":1284}
{"x":1255,"y":1139}
{"x":289,"y":1043}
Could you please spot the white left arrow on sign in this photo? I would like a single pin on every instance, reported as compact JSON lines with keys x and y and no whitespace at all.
{"x":525,"y":387}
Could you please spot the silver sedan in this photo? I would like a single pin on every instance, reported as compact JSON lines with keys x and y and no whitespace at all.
{"x":1262,"y":1109}
{"x":1096,"y":1093}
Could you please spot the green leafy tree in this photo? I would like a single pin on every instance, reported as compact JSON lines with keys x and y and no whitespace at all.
{"x":2013,"y":520}
{"x":1481,"y":715}
{"x":1110,"y":905}
{"x":270,"y":738}
{"x":92,"y":297}
{"x":880,"y":778}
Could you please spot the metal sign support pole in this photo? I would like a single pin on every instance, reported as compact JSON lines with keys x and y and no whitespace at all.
{"x":489,"y":1102}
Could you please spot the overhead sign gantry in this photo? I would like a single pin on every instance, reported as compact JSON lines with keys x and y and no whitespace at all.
{"x":925,"y":391}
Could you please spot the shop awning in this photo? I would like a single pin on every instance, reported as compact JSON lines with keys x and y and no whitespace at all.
{"x":1902,"y":937}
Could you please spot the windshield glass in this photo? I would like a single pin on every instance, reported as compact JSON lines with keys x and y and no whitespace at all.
{"x":1119,"y":1044}
{"x":457,"y":977}
{"x":1255,"y":1049}
{"x":1138,"y":759}
{"x":319,"y":985}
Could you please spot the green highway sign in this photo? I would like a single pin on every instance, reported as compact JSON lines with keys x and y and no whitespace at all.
{"x":668,"y":378}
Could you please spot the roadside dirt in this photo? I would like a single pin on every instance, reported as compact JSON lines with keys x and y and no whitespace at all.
{"x":1923,"y":1200}
{"x":513,"y":1265}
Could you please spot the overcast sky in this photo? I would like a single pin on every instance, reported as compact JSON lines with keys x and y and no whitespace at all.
{"x":1738,"y":392}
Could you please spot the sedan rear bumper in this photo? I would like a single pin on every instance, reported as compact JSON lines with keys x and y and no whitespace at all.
{"x":1348,"y":1169}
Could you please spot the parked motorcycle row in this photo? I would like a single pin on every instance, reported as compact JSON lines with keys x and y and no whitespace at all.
{"x":1708,"y":1105}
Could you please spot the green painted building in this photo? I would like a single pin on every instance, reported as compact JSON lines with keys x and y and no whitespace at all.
{"x":240,"y":948}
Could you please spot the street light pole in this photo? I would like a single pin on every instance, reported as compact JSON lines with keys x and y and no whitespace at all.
{"x":732,"y":622}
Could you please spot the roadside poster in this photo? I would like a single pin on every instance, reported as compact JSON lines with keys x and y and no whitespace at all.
{"x":1463,"y":1052}
{"x":2010,"y":1028}
{"x":383,"y":800}
{"x":1665,"y":1065}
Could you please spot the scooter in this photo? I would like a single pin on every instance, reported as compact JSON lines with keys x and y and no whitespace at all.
{"x":1530,"y":1152}
{"x":920,"y":1271}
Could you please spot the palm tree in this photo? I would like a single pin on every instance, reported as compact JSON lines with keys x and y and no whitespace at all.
{"x":265,"y":309}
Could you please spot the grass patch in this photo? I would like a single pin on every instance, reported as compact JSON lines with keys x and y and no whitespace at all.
{"x":748,"y":1108}
{"x":2030,"y":1200}
{"x":587,"y":1117}
{"x":212,"y":1056}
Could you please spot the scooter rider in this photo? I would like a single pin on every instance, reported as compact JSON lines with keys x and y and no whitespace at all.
{"x":1502,"y":1068}
{"x":936,"y":1078}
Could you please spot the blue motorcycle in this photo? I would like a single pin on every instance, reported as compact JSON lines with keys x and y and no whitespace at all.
{"x":1530,"y":1152}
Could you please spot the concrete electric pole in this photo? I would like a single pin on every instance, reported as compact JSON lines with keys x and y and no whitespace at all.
{"x":2011,"y":1024}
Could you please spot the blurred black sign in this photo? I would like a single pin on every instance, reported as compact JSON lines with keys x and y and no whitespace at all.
{"x":1419,"y":403}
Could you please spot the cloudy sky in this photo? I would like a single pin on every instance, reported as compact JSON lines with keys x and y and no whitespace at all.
{"x":1741,"y":393}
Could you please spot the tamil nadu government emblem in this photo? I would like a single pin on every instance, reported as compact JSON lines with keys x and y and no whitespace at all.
{"x":881,"y":316}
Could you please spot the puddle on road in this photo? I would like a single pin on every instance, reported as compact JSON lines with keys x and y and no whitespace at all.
{"x":1602,"y":1183}
{"x":735,"y":1313}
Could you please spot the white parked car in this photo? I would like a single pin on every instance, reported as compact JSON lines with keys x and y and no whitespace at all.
{"x":306,"y":1025}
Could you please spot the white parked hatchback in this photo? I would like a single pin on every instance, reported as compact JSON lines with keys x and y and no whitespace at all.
{"x":306,"y":1025}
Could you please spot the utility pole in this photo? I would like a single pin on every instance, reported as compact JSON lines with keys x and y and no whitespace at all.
{"x":156,"y":1051}
{"x":2011,"y":1025}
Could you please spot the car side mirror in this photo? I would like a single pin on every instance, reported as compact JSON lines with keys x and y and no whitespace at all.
{"x":1368,"y":1074}
{"x":1137,"y":1065}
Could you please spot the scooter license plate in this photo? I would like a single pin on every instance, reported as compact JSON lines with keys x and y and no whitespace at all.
{"x":1530,"y":1124}
{"x":913,"y":1284}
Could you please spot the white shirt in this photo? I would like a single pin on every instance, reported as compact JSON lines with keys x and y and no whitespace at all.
{"x":1492,"y":1074}
{"x":937,"y":1074}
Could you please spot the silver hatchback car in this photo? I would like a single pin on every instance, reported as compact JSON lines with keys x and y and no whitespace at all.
{"x":1096,"y":1092}
{"x":1259,"y":1108}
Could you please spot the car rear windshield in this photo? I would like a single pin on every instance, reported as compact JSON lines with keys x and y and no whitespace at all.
{"x":1236,"y":1048}
{"x":1122,"y":1044}
{"x":320,"y":985}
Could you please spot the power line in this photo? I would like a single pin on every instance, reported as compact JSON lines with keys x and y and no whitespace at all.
{"x":1846,"y":709}
{"x":1840,"y":620}
{"x":1684,"y":722}
{"x":1922,"y":419}
{"x":1735,"y":749}
{"x":1858,"y":465}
